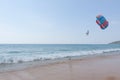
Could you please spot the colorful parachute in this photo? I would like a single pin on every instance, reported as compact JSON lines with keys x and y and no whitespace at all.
{"x":101,"y":21}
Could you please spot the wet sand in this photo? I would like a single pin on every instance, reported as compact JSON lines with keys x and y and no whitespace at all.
{"x":93,"y":68}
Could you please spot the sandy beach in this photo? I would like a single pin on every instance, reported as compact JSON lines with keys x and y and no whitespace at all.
{"x":93,"y":68}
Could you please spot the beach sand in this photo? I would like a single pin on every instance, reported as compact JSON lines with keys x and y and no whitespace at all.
{"x":93,"y":68}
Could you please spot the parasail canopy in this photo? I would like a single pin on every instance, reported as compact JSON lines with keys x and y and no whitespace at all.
{"x":101,"y":21}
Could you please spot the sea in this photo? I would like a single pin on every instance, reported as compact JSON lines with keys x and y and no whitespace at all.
{"x":21,"y":53}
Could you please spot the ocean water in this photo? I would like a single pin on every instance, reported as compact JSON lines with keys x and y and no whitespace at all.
{"x":19,"y":53}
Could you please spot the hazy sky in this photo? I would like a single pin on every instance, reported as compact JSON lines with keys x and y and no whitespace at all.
{"x":58,"y":21}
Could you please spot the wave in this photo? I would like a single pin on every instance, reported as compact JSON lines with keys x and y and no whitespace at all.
{"x":20,"y":58}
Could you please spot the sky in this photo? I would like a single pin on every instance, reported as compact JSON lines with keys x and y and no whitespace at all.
{"x":58,"y":21}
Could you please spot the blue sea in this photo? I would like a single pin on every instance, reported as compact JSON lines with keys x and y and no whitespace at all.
{"x":20,"y":53}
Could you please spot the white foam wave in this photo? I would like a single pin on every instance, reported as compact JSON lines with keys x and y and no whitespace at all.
{"x":18,"y":58}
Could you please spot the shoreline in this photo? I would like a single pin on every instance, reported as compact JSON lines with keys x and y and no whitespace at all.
{"x":21,"y":66}
{"x":103,"y":67}
{"x":99,"y":67}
